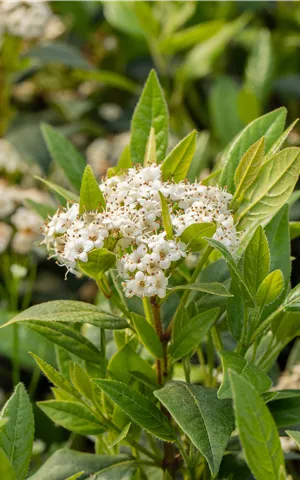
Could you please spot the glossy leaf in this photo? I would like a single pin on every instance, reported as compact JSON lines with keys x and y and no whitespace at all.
{"x":147,"y":335}
{"x":246,"y":171}
{"x":73,"y":416}
{"x":256,"y":260}
{"x":91,"y":198}
{"x":138,"y":407}
{"x":257,"y":430}
{"x":274,"y":184}
{"x":292,"y":301}
{"x":269,"y":126}
{"x":270,"y":289}
{"x":193,"y":236}
{"x":151,"y":111}
{"x":192,"y":333}
{"x":206,"y":420}
{"x":233,"y":361}
{"x":70,"y":311}
{"x":63,"y":152}
{"x":177,"y":163}
{"x":16,"y":436}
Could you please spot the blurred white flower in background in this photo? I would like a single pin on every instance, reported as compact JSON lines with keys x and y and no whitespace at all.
{"x":10,"y":160}
{"x":6,"y":232}
{"x":103,"y":153}
{"x":24,"y":19}
{"x":18,"y":271}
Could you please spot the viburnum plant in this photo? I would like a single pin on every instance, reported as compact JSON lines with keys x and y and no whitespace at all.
{"x":197,"y":277}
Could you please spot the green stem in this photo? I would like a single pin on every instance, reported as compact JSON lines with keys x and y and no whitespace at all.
{"x":193,"y":279}
{"x":147,"y":310}
{"x":265,"y":324}
{"x":217,"y":339}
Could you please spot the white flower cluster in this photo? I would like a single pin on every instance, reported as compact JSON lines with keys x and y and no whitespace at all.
{"x":131,"y":225}
{"x":25,"y":19}
{"x":18,"y":224}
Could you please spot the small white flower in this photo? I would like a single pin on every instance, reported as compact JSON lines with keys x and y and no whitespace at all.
{"x":18,"y":271}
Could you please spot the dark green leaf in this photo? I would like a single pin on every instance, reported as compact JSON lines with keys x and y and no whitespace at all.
{"x":256,"y":260}
{"x":70,"y":311}
{"x":257,"y":430}
{"x":63,"y":152}
{"x":151,"y":111}
{"x":285,"y":408}
{"x":192,"y":333}
{"x":147,"y":335}
{"x":292,"y":301}
{"x":233,"y":361}
{"x":64,"y":463}
{"x":205,"y":419}
{"x":73,"y":416}
{"x":59,"y":52}
{"x":16,"y":436}
{"x":138,"y":407}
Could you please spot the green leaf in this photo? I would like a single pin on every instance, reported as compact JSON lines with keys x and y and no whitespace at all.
{"x":69,"y":196}
{"x":259,"y":69}
{"x":41,"y":209}
{"x":257,"y":430}
{"x":223,"y":103}
{"x":236,"y":308}
{"x":280,"y":141}
{"x":206,"y":420}
{"x":199,"y":61}
{"x":16,"y":436}
{"x":106,"y":77}
{"x":122,"y":16}
{"x":81,"y":381}
{"x":125,"y":159}
{"x":70,"y":311}
{"x":246,"y":171}
{"x":270,"y":289}
{"x":123,"y":434}
{"x":6,"y":469}
{"x":122,"y":471}
{"x":294,"y":230}
{"x":150,"y":154}
{"x":213,"y":288}
{"x":188,"y":37}
{"x":292,"y":301}
{"x":177,"y":163}
{"x":59,"y":52}
{"x":54,"y":376}
{"x":151,"y":111}
{"x":63,"y":152}
{"x":64,"y":463}
{"x":233,"y":268}
{"x":256,"y":260}
{"x":73,"y":416}
{"x":295,"y":435}
{"x":138,"y":407}
{"x":192,"y":333}
{"x":277,"y":231}
{"x":270,"y":126}
{"x":193,"y":235}
{"x":76,"y":476}
{"x":167,"y":222}
{"x":233,"y":361}
{"x":68,"y":338}
{"x":126,"y":360}
{"x":274,"y":184}
{"x":99,"y":262}
{"x":147,"y":335}
{"x":285,"y":408}
{"x":91,"y":198}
